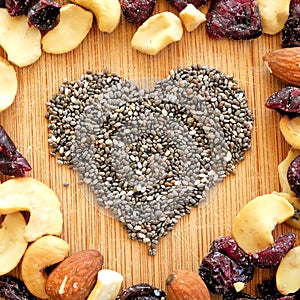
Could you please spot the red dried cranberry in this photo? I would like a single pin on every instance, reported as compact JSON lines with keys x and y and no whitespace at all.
{"x":18,"y":7}
{"x":137,"y":11}
{"x":237,"y":20}
{"x":272,"y":256}
{"x":286,"y":100}
{"x":225,"y":264}
{"x":43,"y":14}
{"x":12,"y":162}
{"x":291,"y":30}
{"x":142,"y":291}
{"x":12,"y":288}
{"x":181,"y":4}
{"x":293,"y":175}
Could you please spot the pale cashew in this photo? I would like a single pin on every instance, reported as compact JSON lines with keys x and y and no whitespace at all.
{"x":290,"y":129}
{"x":157,"y":32}
{"x":12,"y":242}
{"x":44,"y":252}
{"x":21,"y":42}
{"x":288,"y":272}
{"x":9,"y":84}
{"x":74,"y":25}
{"x":28,"y":194}
{"x":283,"y":168}
{"x":107,"y":12}
{"x":252,"y":227}
{"x":191,"y":17}
{"x":107,"y":286}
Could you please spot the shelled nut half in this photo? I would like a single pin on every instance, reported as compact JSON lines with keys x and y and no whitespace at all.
{"x":290,"y":129}
{"x":28,"y":194}
{"x":191,"y":17}
{"x":157,"y":32}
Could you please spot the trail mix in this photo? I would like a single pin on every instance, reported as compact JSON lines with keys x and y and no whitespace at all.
{"x":150,"y":155}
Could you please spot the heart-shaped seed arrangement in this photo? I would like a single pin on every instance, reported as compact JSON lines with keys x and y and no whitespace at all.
{"x":149,"y":155}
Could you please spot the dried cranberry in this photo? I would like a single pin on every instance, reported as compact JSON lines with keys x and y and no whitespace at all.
{"x":12,"y":162}
{"x":286,"y":100}
{"x":137,"y":11}
{"x":18,"y":7}
{"x":181,"y":4}
{"x":291,"y":30}
{"x":43,"y":14}
{"x":293,"y":175}
{"x":142,"y":291}
{"x":237,"y":20}
{"x":12,"y":288}
{"x":272,"y":256}
{"x":225,"y":264}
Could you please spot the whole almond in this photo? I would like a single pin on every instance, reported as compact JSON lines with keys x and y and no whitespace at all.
{"x":186,"y":285}
{"x":75,"y":276}
{"x":284,"y":64}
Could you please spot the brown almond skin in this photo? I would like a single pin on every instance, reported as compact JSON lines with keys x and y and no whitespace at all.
{"x":75,"y":276}
{"x":284,"y":64}
{"x":186,"y":285}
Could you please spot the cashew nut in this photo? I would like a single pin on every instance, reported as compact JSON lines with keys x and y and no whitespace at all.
{"x":157,"y":32}
{"x":107,"y":286}
{"x":290,"y":129}
{"x":107,"y":12}
{"x":28,"y":194}
{"x":288,"y":272}
{"x":44,"y":252}
{"x":21,"y":42}
{"x":9,"y":84}
{"x":191,"y":17}
{"x":283,"y":168}
{"x":252,"y":227}
{"x":12,"y":242}
{"x":74,"y":25}
{"x":274,"y":14}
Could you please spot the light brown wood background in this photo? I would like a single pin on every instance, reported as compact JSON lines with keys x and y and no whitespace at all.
{"x":85,"y":225}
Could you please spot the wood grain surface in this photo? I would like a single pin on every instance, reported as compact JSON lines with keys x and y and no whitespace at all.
{"x":86,"y":226}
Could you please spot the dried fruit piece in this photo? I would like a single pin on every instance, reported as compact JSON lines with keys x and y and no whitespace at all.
{"x":191,"y":17}
{"x":286,"y":100}
{"x":288,"y":272}
{"x":157,"y":33}
{"x":273,"y":14}
{"x":107,"y":286}
{"x":293,"y":176}
{"x":235,"y":20}
{"x":282,"y":171}
{"x":107,"y":12}
{"x":43,"y":14}
{"x":76,"y":28}
{"x":137,"y":11}
{"x":28,"y":194}
{"x":272,"y":255}
{"x":11,"y":160}
{"x":183,"y":284}
{"x":181,"y":4}
{"x":252,"y":227}
{"x":290,"y":32}
{"x":75,"y":276}
{"x":226,"y":268}
{"x":284,"y":64}
{"x":290,"y":129}
{"x":21,"y":42}
{"x":18,"y":7}
{"x":142,"y":291}
{"x":12,"y":288}
{"x":43,"y":253}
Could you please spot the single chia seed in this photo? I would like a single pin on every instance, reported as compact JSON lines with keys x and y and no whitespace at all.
{"x":150,"y":155}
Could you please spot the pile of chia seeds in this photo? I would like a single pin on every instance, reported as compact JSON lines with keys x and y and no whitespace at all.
{"x":149,"y":155}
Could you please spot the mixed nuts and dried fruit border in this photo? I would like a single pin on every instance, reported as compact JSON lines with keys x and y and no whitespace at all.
{"x":46,"y":266}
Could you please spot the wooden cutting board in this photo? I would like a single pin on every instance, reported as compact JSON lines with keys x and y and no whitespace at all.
{"x":86,"y":226}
